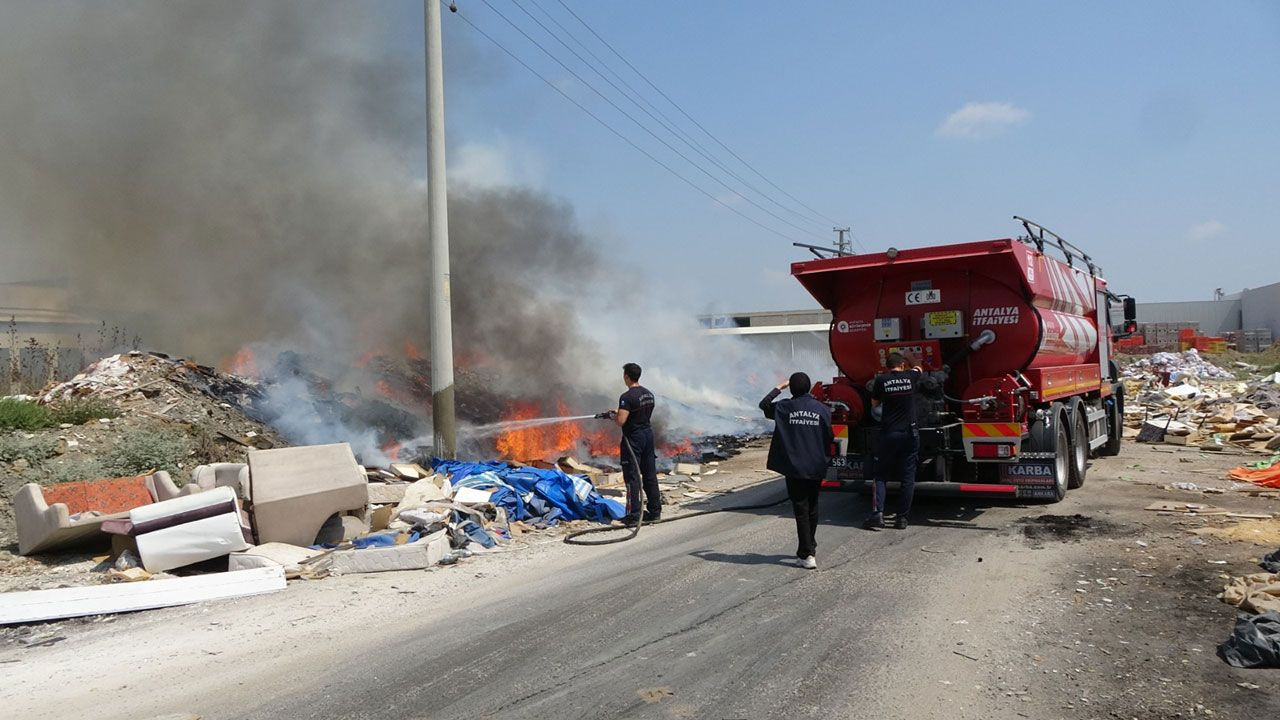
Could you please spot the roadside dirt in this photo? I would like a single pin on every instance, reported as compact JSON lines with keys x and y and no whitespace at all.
{"x":1132,"y":624}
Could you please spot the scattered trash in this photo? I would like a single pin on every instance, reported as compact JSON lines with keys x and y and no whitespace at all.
{"x":1271,"y":563}
{"x":1256,"y":593}
{"x":1254,"y":643}
{"x":1268,"y":476}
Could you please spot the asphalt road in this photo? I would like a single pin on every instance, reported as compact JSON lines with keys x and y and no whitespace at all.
{"x":710,"y":618}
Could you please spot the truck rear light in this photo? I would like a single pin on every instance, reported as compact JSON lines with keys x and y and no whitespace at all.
{"x":992,"y":451}
{"x":831,"y":483}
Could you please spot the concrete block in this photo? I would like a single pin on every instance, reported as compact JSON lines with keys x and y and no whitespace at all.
{"x":381,"y":493}
{"x":688,"y":469}
{"x":295,"y":490}
{"x":424,"y":553}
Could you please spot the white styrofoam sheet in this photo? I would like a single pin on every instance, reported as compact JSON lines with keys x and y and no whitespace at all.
{"x":38,"y":605}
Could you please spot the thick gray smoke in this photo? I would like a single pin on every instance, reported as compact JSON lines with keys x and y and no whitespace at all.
{"x":232,"y":173}
{"x":219,"y":173}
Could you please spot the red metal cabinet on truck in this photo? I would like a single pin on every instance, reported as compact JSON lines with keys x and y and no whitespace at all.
{"x":1014,"y":336}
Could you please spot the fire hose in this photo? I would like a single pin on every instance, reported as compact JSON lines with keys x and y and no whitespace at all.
{"x":573,"y":538}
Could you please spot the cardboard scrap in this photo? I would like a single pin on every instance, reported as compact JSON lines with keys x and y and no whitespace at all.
{"x":1256,"y":593}
{"x":1259,"y":532}
{"x":428,"y":489}
{"x":1187,"y":508}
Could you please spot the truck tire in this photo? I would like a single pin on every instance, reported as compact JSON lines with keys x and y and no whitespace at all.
{"x":1115,"y":422}
{"x":1079,"y":432}
{"x":1050,"y":435}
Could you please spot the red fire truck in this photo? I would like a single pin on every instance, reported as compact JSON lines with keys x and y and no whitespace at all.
{"x":1014,"y":337}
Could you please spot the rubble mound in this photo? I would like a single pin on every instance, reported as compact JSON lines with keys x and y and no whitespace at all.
{"x":1177,"y":366}
{"x":159,"y":387}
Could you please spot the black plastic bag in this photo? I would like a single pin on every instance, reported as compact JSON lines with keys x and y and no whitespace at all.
{"x":1255,"y":643}
{"x":1271,"y":563}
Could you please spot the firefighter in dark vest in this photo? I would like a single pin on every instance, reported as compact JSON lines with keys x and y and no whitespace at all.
{"x":896,"y":454}
{"x":636,"y":451}
{"x":800,"y":451}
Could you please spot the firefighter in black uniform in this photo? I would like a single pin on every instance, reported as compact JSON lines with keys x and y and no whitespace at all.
{"x":896,"y":454}
{"x":636,"y":450}
{"x":800,"y":451}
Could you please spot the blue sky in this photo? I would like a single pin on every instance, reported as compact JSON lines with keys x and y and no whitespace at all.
{"x":1145,"y":132}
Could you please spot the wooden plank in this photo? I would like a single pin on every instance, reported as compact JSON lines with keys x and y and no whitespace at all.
{"x":38,"y":605}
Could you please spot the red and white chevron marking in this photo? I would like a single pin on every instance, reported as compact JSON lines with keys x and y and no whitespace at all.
{"x":1073,"y":291}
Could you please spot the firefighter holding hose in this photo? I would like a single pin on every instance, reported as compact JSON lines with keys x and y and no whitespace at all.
{"x":636,"y":451}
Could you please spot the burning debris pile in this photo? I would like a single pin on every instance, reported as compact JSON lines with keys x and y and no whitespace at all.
{"x":1186,"y":400}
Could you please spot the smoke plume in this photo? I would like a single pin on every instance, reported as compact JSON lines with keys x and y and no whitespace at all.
{"x":238,"y":173}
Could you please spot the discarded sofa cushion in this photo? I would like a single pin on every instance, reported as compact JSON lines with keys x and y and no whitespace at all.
{"x":45,"y":521}
{"x":188,"y":530}
{"x":1255,"y":642}
{"x":103,"y":496}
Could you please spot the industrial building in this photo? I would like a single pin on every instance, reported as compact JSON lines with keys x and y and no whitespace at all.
{"x":802,"y":333}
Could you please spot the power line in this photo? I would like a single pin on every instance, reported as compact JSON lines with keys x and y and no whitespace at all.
{"x":691,"y":118}
{"x":616,"y":132}
{"x":642,"y":126}
{"x":637,"y":98}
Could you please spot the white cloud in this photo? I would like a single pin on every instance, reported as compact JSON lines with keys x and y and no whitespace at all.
{"x":1206,"y":231}
{"x":982,"y":119}
{"x":498,"y":163}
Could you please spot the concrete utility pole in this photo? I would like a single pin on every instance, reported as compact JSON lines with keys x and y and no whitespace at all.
{"x":844,"y":247}
{"x":442,"y":401}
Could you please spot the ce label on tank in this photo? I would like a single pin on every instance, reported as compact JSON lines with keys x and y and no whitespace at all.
{"x":924,"y":297}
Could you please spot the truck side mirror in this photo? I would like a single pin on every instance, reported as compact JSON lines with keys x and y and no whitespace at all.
{"x":1130,"y":311}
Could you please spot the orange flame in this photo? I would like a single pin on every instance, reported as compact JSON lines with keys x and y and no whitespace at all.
{"x":392,"y":449}
{"x":411,"y":351}
{"x":545,"y":442}
{"x":676,"y":449}
{"x":243,"y":363}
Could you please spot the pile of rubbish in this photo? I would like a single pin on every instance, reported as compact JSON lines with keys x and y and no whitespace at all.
{"x":298,"y":512}
{"x":156,"y":386}
{"x":1183,"y":399}
{"x":1174,"y":367}
{"x":1255,"y":642}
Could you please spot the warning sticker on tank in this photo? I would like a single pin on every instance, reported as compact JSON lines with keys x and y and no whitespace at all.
{"x":1008,"y":315}
{"x":924,"y":297}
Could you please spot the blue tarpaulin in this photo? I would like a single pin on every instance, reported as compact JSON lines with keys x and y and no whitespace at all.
{"x":525,"y":491}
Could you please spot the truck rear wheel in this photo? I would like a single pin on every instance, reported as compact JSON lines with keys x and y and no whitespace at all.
{"x":1079,"y":456}
{"x":1050,"y":435}
{"x":1115,"y":421}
